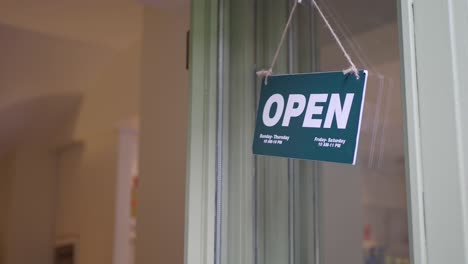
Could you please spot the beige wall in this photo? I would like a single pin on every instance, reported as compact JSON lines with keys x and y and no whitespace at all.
{"x":31,"y":209}
{"x":164,"y":99}
{"x":69,"y":196}
{"x":113,"y":97}
{"x":6,"y":170}
{"x":81,"y":157}
{"x":109,"y":97}
{"x":32,"y":68}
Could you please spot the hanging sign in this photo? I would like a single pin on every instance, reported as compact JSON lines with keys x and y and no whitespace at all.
{"x":311,"y":116}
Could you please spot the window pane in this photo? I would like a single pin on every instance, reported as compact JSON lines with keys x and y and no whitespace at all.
{"x":276,"y":210}
{"x":364,"y":214}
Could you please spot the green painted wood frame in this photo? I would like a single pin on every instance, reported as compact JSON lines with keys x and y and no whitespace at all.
{"x":434,"y":44}
{"x":200,"y":195}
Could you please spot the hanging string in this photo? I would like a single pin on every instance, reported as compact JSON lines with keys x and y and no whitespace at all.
{"x":352,"y":68}
{"x":343,"y":29}
{"x":267,"y":73}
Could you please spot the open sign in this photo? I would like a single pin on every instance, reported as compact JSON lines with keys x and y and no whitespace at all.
{"x":311,"y":116}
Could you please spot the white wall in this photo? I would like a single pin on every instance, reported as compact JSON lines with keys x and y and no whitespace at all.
{"x":164,"y":105}
{"x":124,"y":246}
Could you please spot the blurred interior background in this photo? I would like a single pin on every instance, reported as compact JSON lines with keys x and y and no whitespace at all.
{"x":71,"y":77}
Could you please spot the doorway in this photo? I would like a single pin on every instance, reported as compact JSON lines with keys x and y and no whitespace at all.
{"x":225,"y":213}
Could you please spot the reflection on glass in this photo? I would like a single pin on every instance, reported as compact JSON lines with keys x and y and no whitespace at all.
{"x":367,"y":202}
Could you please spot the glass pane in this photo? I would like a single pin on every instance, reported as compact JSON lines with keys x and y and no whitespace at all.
{"x":276,"y":210}
{"x":364,"y":214}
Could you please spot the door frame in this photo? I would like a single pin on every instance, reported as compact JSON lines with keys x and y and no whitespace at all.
{"x":433,"y":44}
{"x":201,"y":154}
{"x":433,"y":40}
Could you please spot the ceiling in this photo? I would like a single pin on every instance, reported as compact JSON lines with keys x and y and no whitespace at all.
{"x":109,"y":23}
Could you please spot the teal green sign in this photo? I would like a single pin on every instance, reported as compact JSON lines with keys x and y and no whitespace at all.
{"x":313,"y":116}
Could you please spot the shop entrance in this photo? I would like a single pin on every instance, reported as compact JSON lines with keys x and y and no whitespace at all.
{"x":394,"y":205}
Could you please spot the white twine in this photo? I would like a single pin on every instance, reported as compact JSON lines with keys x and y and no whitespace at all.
{"x":352,"y":68}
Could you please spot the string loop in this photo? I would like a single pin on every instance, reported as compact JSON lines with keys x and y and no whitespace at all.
{"x":352,"y":67}
{"x":267,"y":73}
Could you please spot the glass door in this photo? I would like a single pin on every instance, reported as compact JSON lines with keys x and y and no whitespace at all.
{"x":276,"y":210}
{"x":243,"y":208}
{"x":363,"y":208}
